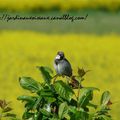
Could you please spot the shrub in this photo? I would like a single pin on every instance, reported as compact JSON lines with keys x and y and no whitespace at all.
{"x":62,"y":100}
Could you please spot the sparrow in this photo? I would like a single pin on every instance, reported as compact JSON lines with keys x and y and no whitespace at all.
{"x":63,"y":68}
{"x":62,"y":65}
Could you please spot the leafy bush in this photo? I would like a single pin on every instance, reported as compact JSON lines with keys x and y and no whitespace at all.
{"x":62,"y":100}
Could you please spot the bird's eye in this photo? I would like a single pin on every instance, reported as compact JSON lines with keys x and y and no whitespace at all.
{"x":61,"y":56}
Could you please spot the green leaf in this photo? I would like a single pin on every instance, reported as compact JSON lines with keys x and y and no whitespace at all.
{"x":45,"y":71}
{"x":105,"y":98}
{"x":84,"y":98}
{"x":47,"y":93}
{"x":80,"y":115}
{"x":45,"y":112}
{"x":64,"y":90}
{"x":63,"y":110}
{"x":54,"y":118}
{"x":72,"y":109}
{"x":26,"y":98}
{"x":49,"y":70}
{"x":92,"y":88}
{"x":27,"y":115}
{"x":37,"y":102}
{"x":92,"y":105}
{"x":29,"y":84}
{"x":29,"y":105}
{"x":86,"y":95}
{"x":50,"y":99}
{"x":103,"y":117}
{"x":32,"y":102}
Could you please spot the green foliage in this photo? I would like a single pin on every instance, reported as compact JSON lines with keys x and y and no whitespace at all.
{"x":63,"y":110}
{"x":45,"y":71}
{"x":86,"y":95}
{"x":61,"y":100}
{"x":29,"y":84}
{"x":105,"y":98}
{"x":63,"y":90}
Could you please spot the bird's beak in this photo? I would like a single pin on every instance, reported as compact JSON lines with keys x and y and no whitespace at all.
{"x":57,"y":57}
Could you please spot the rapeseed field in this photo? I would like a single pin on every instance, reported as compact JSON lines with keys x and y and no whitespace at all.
{"x":22,"y":51}
{"x":59,"y":4}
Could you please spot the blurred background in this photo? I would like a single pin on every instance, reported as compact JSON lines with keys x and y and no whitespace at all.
{"x":93,"y":44}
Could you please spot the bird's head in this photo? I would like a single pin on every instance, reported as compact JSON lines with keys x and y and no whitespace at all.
{"x":60,"y":55}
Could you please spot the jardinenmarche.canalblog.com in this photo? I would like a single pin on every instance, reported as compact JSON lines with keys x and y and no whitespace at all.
{"x":65,"y":17}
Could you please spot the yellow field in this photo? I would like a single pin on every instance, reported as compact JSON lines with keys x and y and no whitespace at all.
{"x":58,"y":4}
{"x":21,"y":51}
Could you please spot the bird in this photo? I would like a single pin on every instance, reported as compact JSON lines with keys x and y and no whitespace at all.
{"x":63,"y":68}
{"x":62,"y":65}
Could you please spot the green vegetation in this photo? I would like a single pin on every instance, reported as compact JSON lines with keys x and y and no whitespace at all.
{"x":58,"y":100}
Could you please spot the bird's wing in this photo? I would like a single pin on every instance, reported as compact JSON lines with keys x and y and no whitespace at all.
{"x":67,"y":67}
